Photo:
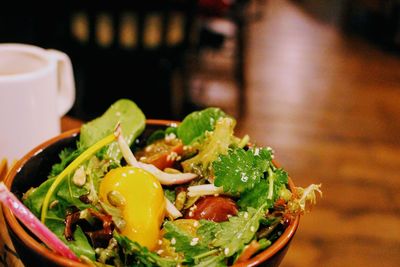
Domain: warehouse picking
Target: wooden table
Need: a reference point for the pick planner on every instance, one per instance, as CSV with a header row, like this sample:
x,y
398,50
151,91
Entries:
x,y
68,123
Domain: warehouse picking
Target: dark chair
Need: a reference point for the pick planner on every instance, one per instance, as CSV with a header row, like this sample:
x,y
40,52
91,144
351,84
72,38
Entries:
x,y
127,49
237,12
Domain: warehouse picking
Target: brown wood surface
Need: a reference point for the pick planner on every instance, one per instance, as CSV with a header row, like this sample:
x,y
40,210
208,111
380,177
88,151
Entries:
x,y
69,123
329,105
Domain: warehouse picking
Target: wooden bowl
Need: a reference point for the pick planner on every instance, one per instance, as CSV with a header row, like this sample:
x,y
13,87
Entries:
x,y
33,169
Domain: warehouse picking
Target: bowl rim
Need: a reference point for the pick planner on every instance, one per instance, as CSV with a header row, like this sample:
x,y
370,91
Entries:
x,y
29,241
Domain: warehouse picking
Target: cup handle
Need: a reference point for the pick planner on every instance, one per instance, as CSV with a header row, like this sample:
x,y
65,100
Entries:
x,y
66,82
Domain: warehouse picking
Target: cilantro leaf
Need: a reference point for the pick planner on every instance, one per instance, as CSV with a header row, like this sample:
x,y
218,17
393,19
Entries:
x,y
212,261
241,170
259,195
256,196
239,230
280,178
184,242
208,230
141,255
197,123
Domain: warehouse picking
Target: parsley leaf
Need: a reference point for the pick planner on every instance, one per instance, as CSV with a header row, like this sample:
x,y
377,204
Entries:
x,y
239,230
241,170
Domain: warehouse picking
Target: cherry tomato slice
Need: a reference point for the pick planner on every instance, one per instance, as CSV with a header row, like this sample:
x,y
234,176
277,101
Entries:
x,y
212,208
161,153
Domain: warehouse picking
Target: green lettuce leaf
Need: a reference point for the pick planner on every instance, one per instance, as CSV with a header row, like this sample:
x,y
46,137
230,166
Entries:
x,y
123,111
79,245
33,198
241,170
55,216
67,196
197,123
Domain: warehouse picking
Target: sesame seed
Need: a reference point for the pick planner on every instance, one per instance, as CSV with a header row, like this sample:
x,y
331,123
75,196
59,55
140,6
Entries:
x,y
190,213
196,223
226,251
53,204
159,241
194,241
148,148
159,252
244,177
173,241
170,137
172,156
253,229
246,215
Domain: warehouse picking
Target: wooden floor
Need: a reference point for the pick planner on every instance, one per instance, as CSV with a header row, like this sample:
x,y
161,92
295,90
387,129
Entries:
x,y
329,105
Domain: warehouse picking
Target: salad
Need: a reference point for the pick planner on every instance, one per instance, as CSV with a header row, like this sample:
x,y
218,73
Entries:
x,y
192,194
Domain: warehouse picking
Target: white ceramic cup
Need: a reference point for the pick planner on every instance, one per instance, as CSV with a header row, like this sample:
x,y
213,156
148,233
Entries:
x,y
36,88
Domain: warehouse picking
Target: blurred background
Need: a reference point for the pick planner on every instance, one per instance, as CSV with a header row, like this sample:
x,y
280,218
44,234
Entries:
x,y
318,81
